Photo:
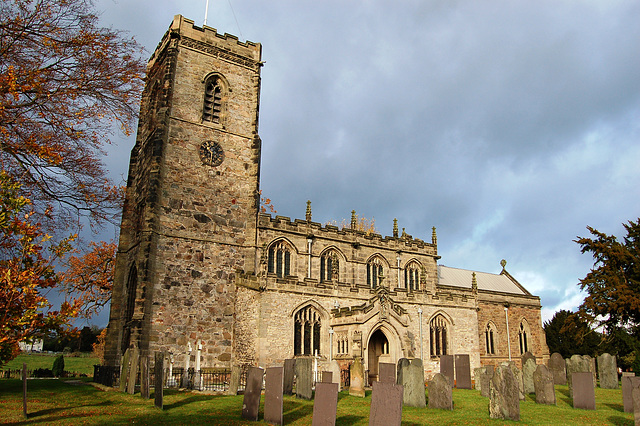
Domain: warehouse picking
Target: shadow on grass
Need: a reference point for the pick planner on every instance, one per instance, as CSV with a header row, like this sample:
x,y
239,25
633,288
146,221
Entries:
x,y
349,420
565,392
186,401
616,407
293,410
620,421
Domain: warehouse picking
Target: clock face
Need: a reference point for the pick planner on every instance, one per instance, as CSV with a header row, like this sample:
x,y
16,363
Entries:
x,y
211,153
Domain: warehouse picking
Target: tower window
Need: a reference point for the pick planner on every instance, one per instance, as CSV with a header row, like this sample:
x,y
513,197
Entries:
x,y
412,276
374,273
212,109
279,261
306,333
329,267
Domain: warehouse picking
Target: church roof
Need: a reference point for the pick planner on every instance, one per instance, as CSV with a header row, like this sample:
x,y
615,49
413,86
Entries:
x,y
503,283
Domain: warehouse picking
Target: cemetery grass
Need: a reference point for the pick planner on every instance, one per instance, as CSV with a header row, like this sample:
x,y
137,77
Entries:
x,y
73,364
58,402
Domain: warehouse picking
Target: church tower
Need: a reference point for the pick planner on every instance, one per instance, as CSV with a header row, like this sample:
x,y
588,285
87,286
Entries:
x,y
190,214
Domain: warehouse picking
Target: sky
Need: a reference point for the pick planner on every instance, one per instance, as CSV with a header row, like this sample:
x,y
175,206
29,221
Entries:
x,y
510,126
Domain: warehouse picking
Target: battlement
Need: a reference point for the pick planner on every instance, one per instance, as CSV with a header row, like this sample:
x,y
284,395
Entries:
x,y
200,37
348,235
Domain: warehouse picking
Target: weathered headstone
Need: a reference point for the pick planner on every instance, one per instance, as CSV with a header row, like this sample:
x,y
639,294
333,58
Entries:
x,y
356,387
579,364
124,370
144,377
334,367
584,395
413,384
608,371
628,384
289,373
133,371
327,377
543,385
446,367
402,363
635,395
504,402
304,378
440,393
158,380
234,380
252,393
387,372
273,395
528,368
517,374
463,371
476,376
527,355
558,369
325,404
485,383
386,404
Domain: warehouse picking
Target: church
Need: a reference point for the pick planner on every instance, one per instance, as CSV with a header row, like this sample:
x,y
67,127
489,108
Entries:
x,y
198,264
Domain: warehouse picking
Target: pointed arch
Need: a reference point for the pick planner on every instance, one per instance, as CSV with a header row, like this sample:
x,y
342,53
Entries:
x,y
524,335
440,334
216,89
491,338
412,271
308,322
330,260
376,265
280,258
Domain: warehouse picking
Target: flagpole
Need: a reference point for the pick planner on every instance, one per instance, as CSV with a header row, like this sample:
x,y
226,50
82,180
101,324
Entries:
x,y
206,12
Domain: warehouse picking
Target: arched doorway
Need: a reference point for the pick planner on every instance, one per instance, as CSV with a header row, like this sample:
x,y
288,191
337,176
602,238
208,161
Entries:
x,y
378,351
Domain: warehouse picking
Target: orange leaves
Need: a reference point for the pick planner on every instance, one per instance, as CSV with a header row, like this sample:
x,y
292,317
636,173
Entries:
x,y
266,205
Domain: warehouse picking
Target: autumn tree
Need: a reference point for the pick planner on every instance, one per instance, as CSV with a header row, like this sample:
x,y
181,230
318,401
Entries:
x,y
66,85
613,284
26,273
89,276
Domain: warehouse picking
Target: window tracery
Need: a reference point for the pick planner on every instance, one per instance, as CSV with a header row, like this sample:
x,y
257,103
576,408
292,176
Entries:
x,y
490,336
279,259
212,109
329,266
438,327
306,334
412,276
374,272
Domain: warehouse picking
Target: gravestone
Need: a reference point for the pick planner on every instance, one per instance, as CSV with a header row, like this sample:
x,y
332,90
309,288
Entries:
x,y
124,370
543,386
273,395
527,355
413,384
325,404
446,367
133,371
304,378
144,377
558,368
463,371
476,376
387,372
289,374
234,380
517,374
485,383
579,364
334,367
440,393
504,402
402,363
584,395
356,387
386,404
608,371
158,382
252,393
327,377
635,395
628,384
528,368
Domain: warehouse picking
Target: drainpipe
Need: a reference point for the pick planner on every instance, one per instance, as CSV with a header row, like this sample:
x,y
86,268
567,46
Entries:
x,y
420,320
330,344
506,315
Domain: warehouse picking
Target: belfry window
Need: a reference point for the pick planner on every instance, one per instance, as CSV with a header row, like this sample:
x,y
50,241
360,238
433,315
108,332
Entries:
x,y
412,276
279,261
212,109
438,328
374,273
329,267
523,338
306,333
489,338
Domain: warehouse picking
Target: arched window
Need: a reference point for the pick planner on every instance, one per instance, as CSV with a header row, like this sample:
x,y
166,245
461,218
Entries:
x,y
212,109
374,272
306,333
489,338
329,266
523,337
412,276
279,261
438,327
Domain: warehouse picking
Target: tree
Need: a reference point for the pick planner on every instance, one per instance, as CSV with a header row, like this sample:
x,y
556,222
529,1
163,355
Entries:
x,y
568,335
26,274
613,284
65,83
89,276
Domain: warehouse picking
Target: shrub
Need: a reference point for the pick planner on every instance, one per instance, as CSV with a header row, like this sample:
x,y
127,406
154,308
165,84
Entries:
x,y
58,366
42,372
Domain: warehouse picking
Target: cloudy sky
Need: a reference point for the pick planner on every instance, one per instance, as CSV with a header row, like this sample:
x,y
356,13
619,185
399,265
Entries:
x,y
508,125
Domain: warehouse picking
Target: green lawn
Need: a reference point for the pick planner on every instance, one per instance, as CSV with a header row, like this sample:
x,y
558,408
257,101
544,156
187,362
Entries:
x,y
56,402
71,364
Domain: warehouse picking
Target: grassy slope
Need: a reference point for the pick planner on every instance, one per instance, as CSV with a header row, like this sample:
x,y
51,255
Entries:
x,y
73,364
56,402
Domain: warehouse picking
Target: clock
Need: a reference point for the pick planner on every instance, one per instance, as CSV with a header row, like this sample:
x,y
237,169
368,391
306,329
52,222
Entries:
x,y
211,153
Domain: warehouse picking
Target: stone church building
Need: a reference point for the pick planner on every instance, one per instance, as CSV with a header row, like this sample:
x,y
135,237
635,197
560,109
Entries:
x,y
198,264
